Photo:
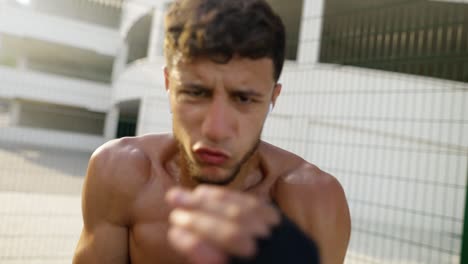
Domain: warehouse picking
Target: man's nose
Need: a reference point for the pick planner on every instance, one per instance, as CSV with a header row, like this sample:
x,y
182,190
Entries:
x,y
218,123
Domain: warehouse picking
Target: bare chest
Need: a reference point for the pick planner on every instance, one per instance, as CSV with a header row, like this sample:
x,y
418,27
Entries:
x,y
148,235
148,244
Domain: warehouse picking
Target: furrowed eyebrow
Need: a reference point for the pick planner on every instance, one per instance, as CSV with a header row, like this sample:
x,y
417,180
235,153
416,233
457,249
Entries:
x,y
196,86
246,92
235,91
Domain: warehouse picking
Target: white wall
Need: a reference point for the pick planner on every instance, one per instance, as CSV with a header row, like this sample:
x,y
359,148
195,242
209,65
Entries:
x,y
49,138
343,108
54,89
144,80
311,26
397,143
138,80
55,117
132,10
5,118
156,46
154,116
106,14
58,30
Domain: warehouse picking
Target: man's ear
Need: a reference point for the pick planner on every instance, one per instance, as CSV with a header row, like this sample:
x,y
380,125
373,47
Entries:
x,y
166,84
276,93
166,78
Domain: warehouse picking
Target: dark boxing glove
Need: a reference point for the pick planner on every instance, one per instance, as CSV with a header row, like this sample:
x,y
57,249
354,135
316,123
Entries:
x,y
286,244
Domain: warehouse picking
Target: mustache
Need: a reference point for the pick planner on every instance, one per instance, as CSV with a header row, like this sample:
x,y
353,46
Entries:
x,y
188,167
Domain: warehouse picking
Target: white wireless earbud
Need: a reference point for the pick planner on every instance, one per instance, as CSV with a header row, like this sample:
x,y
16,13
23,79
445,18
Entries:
x,y
270,108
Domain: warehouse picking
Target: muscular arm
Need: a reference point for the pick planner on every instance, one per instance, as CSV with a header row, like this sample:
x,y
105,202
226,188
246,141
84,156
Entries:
x,y
104,238
317,203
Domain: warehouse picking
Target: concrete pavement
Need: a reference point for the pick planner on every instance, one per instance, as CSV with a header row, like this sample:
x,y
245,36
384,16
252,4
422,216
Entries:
x,y
40,211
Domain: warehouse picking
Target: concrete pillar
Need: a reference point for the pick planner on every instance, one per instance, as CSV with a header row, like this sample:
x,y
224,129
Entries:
x,y
4,113
111,123
22,63
156,42
311,25
132,10
140,117
120,61
15,113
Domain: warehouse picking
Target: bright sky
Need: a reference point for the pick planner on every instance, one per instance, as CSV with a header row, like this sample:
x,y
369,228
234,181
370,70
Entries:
x,y
24,2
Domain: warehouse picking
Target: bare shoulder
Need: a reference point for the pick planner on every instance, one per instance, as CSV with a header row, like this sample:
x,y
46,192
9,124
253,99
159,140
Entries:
x,y
113,161
309,185
314,181
294,174
129,157
316,201
118,170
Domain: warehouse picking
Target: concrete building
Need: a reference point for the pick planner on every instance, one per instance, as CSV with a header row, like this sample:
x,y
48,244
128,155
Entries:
x,y
56,61
375,92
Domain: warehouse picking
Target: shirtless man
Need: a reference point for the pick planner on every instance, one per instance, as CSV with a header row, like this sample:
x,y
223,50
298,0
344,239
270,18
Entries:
x,y
210,190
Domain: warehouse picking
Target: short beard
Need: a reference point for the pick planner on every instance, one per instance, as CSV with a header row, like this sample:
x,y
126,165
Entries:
x,y
189,167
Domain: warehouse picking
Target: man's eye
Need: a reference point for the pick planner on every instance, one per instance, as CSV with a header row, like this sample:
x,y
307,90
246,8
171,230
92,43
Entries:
x,y
196,93
243,99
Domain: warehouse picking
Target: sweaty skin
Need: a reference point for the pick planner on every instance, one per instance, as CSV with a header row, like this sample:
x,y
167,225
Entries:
x,y
133,213
126,217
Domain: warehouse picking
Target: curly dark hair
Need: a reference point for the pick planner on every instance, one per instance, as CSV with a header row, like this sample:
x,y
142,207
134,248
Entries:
x,y
220,29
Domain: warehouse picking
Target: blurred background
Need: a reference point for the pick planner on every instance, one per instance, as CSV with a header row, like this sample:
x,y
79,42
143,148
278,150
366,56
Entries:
x,y
375,92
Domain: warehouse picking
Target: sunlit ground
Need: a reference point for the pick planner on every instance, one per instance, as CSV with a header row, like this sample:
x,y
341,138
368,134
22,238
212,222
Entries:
x,y
38,228
40,214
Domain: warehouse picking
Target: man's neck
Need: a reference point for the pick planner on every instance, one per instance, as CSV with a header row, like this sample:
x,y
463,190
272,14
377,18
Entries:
x,y
249,175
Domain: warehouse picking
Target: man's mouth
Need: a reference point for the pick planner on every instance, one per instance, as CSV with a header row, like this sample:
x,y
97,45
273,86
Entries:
x,y
210,156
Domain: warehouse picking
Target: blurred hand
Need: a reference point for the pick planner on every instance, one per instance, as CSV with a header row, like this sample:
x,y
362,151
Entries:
x,y
209,224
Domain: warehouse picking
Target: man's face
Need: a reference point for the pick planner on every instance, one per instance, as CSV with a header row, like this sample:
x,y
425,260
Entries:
x,y
218,113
